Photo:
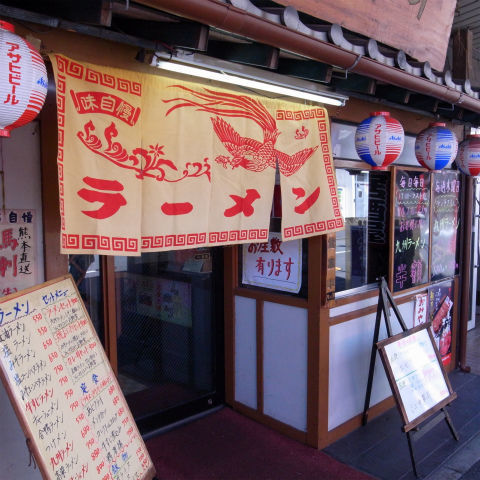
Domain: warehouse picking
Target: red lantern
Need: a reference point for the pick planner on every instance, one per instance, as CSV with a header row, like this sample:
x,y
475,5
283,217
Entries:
x,y
23,80
468,158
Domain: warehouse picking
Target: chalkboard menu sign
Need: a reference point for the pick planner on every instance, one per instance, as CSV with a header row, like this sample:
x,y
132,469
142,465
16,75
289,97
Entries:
x,y
63,389
445,217
412,226
418,380
378,207
378,224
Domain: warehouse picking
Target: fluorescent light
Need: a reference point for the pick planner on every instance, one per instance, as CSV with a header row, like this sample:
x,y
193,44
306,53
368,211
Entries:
x,y
222,76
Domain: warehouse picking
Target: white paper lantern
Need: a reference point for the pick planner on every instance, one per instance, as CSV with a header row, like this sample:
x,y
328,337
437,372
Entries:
x,y
468,158
379,140
436,147
23,80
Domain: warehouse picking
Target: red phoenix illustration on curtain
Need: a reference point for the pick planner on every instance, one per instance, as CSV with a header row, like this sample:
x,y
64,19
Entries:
x,y
244,152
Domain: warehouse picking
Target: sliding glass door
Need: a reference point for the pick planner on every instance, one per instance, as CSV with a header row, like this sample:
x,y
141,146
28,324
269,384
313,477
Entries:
x,y
164,329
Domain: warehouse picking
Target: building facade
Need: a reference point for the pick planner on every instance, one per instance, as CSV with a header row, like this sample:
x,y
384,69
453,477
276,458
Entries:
x,y
189,329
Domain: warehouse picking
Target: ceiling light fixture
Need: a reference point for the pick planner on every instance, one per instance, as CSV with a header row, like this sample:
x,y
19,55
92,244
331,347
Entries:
x,y
248,81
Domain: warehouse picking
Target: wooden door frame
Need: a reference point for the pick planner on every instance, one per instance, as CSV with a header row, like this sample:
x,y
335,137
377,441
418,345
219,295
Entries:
x,y
56,263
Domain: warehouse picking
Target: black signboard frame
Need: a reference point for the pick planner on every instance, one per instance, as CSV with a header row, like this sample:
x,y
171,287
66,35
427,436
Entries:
x,y
411,228
427,346
445,222
378,224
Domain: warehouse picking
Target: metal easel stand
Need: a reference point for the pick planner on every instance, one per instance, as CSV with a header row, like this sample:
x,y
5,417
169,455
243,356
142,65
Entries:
x,y
385,301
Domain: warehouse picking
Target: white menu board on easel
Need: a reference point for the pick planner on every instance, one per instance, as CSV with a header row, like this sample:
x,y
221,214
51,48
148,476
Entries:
x,y
417,377
62,387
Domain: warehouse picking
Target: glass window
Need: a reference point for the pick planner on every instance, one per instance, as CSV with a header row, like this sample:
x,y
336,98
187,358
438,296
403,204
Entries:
x,y
85,270
362,248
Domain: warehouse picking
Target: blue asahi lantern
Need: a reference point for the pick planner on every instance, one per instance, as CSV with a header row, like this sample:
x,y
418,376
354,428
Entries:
x,y
436,147
379,140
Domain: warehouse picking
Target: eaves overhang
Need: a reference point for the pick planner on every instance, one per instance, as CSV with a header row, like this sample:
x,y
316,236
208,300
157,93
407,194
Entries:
x,y
284,29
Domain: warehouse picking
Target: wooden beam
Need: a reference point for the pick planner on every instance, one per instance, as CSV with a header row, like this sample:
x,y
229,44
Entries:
x,y
94,12
355,83
471,117
462,67
305,69
256,54
393,94
189,35
423,102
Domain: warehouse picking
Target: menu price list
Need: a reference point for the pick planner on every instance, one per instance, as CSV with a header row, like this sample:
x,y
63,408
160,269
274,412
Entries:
x,y
417,373
65,391
445,223
411,235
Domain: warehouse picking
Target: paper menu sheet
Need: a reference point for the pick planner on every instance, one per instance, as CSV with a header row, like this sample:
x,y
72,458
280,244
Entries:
x,y
63,388
417,373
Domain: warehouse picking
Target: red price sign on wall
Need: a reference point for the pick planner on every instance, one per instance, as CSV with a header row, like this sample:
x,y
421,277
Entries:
x,y
274,264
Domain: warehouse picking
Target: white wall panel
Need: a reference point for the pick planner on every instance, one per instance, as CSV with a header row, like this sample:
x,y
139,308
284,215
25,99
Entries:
x,y
245,351
285,339
21,164
20,156
349,361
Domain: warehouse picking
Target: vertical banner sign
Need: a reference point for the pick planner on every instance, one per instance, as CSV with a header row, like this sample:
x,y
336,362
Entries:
x,y
445,221
151,163
412,229
420,309
17,250
440,307
65,394
273,264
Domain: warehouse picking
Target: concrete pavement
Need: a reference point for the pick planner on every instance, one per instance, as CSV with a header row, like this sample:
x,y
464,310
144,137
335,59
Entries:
x,y
461,465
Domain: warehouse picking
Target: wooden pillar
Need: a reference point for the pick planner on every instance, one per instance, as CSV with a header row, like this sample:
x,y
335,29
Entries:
x,y
230,256
56,264
314,374
466,270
